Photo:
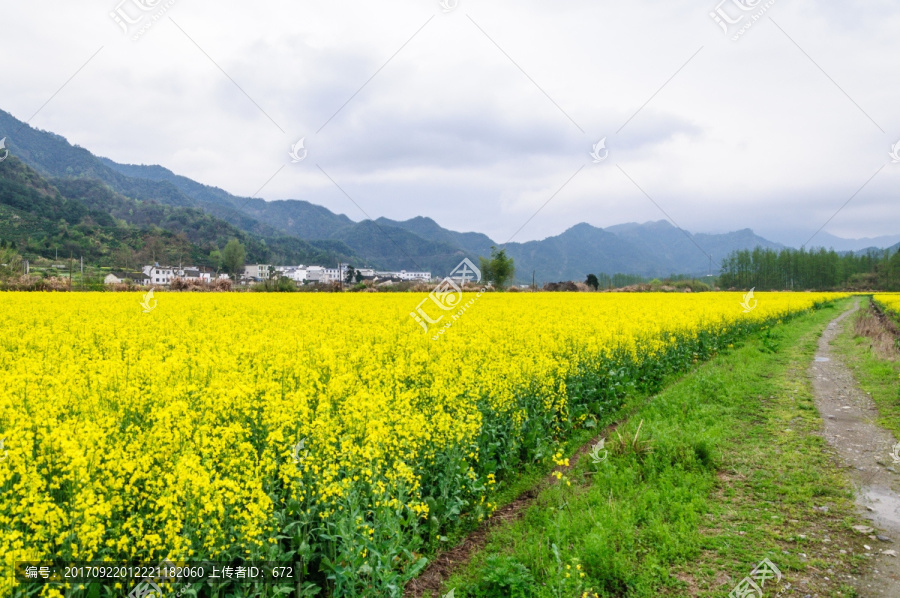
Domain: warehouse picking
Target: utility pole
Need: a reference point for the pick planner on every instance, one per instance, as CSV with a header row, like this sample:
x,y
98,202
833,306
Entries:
x,y
70,270
533,287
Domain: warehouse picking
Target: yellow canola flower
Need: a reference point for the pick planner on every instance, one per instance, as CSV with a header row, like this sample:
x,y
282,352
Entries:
x,y
890,302
131,435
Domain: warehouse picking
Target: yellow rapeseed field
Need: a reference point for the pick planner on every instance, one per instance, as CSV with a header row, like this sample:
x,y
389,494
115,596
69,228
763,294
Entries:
x,y
890,301
325,427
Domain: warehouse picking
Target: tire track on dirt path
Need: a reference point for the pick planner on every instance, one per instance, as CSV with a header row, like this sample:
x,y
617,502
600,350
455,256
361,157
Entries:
x,y
865,449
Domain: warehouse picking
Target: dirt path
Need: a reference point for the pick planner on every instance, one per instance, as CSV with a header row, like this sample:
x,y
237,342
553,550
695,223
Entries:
x,y
866,449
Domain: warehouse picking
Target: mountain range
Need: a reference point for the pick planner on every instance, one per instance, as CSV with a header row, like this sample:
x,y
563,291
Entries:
x,y
58,197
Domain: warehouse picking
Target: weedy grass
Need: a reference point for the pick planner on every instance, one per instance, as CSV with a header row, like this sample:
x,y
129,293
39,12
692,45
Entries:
x,y
722,469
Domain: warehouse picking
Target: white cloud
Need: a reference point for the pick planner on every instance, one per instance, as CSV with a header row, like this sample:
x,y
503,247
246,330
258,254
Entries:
x,y
748,134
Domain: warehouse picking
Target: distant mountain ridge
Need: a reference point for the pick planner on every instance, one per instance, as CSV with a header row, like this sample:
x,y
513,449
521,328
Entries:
x,y
827,240
300,228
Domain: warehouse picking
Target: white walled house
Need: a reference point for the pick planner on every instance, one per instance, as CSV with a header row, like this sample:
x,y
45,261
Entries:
x,y
421,276
159,274
260,271
336,274
163,275
315,273
295,273
299,274
120,277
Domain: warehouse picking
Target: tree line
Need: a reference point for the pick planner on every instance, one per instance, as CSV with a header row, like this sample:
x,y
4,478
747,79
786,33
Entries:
x,y
817,270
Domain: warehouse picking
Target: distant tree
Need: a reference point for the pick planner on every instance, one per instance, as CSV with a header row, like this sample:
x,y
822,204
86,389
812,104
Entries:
x,y
359,276
815,269
10,262
592,281
155,249
348,278
499,269
215,259
123,257
233,257
285,285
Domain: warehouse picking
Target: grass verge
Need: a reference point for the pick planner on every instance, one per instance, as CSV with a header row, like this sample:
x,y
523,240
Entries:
x,y
870,351
722,469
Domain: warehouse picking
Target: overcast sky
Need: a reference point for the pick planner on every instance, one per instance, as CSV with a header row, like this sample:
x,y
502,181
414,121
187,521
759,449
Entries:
x,y
479,115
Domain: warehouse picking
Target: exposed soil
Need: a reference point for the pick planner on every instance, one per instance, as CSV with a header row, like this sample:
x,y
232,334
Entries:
x,y
444,564
886,321
866,450
882,332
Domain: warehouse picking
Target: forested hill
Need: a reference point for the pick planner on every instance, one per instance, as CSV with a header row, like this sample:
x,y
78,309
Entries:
x,y
51,217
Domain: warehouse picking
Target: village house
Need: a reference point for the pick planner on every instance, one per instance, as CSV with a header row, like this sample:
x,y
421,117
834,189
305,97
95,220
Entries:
x,y
159,274
256,272
164,275
138,278
420,276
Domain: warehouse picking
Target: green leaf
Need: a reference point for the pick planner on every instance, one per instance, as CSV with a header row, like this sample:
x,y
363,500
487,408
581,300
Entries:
x,y
420,564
